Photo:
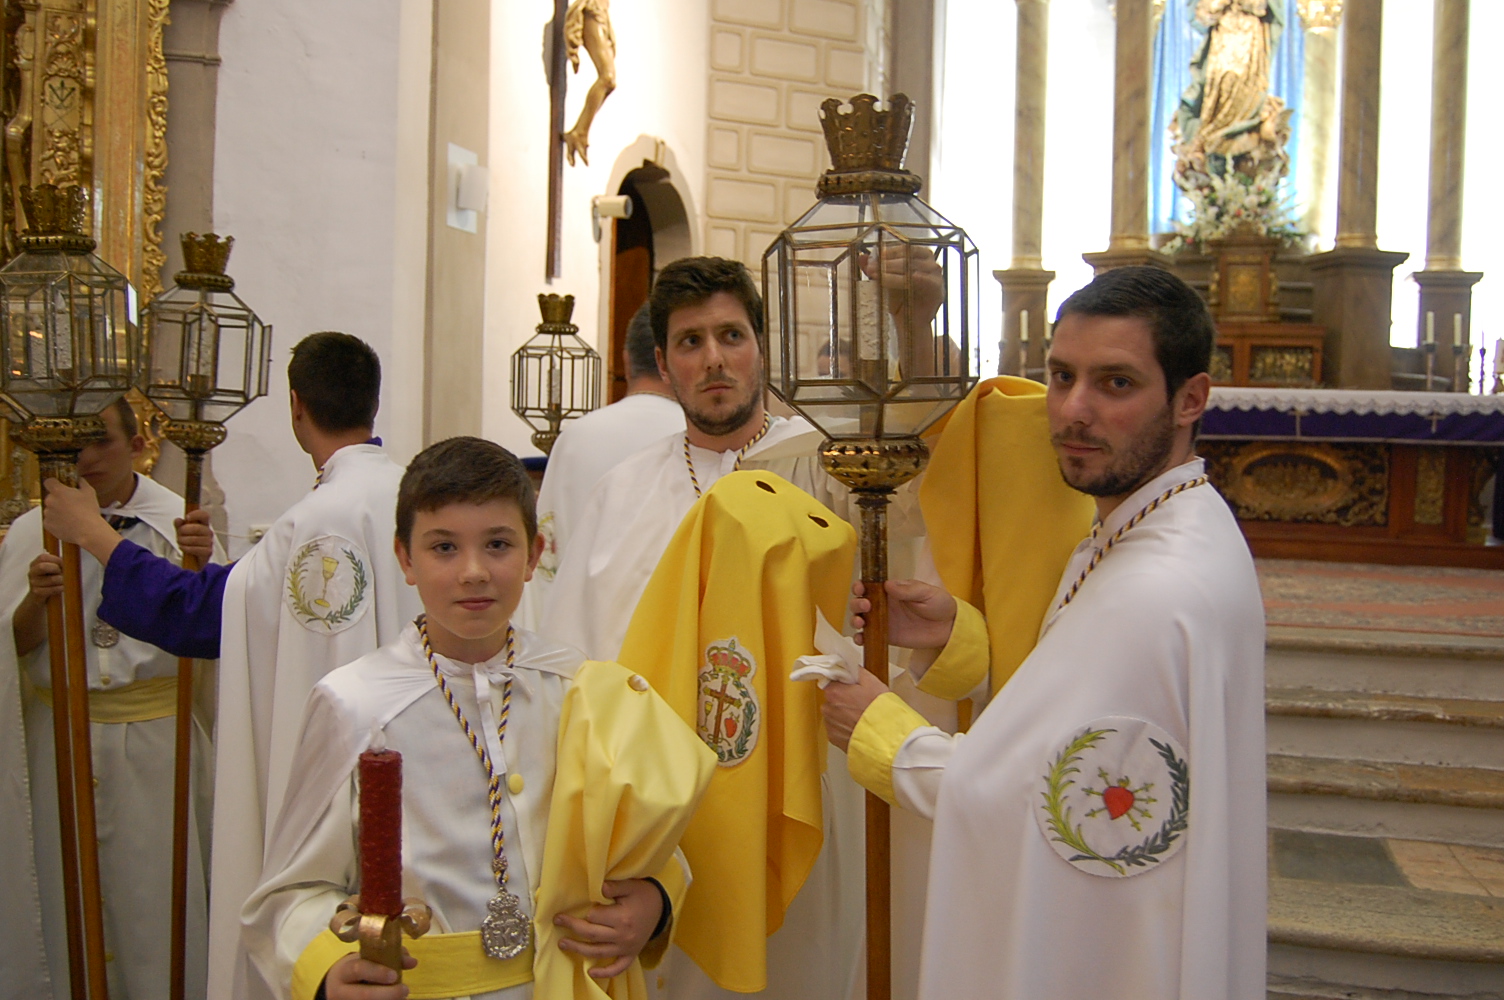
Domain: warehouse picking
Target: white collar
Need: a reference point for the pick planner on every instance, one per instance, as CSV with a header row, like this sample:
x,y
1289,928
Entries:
x,y
1139,498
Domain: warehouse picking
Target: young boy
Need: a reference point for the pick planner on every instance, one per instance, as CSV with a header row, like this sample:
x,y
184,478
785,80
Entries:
x,y
554,739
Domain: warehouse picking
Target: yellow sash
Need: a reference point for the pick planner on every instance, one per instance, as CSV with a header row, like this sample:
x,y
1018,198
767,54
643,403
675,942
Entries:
x,y
449,965
155,698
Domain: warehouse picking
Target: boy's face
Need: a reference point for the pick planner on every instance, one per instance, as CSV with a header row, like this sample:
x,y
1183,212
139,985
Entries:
x,y
469,562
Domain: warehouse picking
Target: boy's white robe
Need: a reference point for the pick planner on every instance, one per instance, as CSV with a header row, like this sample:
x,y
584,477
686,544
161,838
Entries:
x,y
446,819
1169,629
134,769
269,661
623,530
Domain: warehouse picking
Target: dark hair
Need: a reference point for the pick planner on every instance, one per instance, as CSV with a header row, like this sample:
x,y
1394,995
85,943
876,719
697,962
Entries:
x,y
127,414
1178,319
639,347
463,470
691,280
338,379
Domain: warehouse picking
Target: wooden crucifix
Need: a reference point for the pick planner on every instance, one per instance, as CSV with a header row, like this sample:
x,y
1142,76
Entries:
x,y
554,263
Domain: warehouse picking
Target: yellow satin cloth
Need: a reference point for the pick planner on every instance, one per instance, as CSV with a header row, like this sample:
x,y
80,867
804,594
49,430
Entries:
x,y
449,965
751,562
1001,522
627,779
143,701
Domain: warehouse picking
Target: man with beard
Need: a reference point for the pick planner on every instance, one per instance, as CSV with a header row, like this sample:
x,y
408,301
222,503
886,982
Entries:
x,y
1067,804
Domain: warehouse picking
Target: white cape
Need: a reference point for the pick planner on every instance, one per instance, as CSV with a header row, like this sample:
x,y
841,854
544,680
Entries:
x,y
1166,634
27,764
277,641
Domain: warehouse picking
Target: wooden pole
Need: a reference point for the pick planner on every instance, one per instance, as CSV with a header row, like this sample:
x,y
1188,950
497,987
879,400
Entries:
x,y
62,749
77,696
183,763
874,507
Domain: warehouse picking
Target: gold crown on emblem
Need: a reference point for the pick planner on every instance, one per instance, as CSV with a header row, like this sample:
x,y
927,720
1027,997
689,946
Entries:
x,y
206,254
556,310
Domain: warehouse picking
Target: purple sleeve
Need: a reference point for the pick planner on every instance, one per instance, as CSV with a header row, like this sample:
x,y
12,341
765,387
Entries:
x,y
150,599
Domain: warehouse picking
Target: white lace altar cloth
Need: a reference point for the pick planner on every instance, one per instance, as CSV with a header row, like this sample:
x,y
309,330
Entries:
x,y
1361,401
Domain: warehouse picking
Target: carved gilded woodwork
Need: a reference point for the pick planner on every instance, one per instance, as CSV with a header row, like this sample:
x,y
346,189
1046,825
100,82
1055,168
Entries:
x,y
1430,486
1282,366
1302,482
1479,514
1320,15
84,101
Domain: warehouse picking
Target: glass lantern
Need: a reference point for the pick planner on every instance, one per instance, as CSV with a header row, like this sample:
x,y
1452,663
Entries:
x,y
208,353
68,338
556,376
872,294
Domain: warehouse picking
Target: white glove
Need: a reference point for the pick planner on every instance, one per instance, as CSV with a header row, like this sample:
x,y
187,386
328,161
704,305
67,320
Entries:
x,y
841,659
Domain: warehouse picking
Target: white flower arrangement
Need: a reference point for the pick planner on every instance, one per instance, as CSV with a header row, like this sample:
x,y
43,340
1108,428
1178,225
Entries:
x,y
1233,203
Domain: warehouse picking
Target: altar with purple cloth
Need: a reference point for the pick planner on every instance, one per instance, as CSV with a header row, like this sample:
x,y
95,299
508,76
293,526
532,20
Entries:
x,y
1358,475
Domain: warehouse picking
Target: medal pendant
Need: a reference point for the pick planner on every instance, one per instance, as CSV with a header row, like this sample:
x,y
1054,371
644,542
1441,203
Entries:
x,y
506,932
103,635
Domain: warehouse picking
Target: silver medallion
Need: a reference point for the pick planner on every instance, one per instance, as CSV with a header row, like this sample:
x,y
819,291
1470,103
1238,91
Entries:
x,y
103,635
506,932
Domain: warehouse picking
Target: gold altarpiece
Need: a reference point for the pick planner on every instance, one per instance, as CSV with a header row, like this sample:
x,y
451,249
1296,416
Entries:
x,y
85,102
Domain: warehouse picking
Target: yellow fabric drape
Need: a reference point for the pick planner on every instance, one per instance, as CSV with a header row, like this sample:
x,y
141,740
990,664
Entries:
x,y
449,965
143,701
628,778
728,610
1001,522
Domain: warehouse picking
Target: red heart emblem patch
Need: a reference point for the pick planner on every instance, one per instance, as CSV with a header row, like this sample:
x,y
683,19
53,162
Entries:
x,y
1117,799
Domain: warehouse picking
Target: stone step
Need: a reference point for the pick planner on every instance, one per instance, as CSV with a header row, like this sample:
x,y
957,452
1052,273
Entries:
x,y
1380,707
1372,919
1385,728
1423,784
1421,666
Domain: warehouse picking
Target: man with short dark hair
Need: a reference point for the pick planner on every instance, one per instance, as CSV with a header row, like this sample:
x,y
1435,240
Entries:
x,y
320,589
1069,802
596,443
132,729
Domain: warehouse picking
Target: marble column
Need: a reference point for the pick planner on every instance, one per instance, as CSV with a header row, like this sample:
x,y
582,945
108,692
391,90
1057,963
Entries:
x,y
1446,290
1322,19
1132,93
1353,284
1026,283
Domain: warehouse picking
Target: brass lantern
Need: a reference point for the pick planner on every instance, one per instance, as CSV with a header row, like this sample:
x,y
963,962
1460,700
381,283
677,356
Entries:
x,y
556,376
208,353
68,339
871,296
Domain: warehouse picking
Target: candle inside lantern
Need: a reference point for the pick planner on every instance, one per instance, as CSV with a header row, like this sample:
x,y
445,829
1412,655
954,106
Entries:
x,y
1499,356
1430,328
555,385
381,831
1456,329
1023,326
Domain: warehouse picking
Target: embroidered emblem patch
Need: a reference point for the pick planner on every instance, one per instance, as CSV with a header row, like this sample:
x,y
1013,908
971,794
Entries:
x,y
328,584
1115,799
728,716
548,562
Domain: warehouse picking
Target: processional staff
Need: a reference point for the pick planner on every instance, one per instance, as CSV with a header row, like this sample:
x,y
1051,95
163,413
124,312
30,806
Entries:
x,y
69,348
209,356
877,276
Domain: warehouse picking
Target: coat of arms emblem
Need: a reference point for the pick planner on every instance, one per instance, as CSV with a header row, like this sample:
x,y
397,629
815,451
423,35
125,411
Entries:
x,y
728,716
328,584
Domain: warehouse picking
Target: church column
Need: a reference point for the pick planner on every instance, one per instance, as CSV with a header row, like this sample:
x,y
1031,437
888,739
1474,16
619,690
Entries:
x,y
1446,290
1321,18
1025,282
1353,283
1132,94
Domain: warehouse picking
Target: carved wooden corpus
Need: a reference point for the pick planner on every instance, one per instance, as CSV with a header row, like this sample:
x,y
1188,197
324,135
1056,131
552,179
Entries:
x,y
85,88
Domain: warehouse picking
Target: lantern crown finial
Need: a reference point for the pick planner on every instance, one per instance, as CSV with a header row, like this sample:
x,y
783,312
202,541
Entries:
x,y
556,310
867,146
204,260
56,218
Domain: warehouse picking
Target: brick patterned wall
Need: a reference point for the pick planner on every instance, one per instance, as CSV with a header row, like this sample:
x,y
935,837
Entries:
x,y
771,64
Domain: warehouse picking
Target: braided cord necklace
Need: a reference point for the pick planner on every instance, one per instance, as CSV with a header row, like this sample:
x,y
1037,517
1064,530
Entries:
x,y
741,453
1117,536
506,932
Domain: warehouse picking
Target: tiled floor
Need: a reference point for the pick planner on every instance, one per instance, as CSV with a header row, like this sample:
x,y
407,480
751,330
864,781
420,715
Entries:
x,y
1476,871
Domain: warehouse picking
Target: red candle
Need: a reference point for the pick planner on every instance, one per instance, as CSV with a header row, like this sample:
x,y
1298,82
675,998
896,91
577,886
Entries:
x,y
381,832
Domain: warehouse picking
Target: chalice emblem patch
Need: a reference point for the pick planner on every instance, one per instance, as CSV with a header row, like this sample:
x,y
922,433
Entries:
x,y
328,584
728,717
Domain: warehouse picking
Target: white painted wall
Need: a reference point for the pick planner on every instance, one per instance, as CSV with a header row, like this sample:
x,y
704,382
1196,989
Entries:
x,y
306,179
661,65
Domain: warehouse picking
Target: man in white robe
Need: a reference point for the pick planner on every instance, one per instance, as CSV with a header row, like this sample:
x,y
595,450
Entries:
x,y
596,443
320,589
1100,831
132,731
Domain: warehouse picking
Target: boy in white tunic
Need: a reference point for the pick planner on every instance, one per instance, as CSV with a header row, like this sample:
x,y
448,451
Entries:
x,y
132,709
1100,831
488,719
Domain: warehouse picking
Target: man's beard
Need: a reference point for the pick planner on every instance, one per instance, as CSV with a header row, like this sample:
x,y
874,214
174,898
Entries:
x,y
713,426
1143,460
